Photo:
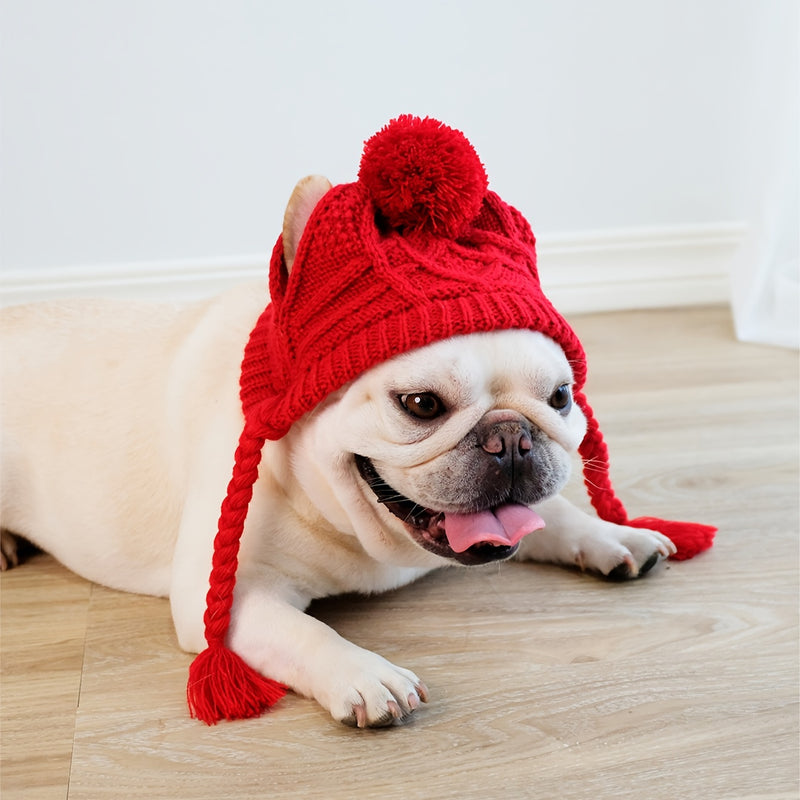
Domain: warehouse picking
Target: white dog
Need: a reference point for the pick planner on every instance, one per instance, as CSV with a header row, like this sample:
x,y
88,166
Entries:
x,y
118,426
118,420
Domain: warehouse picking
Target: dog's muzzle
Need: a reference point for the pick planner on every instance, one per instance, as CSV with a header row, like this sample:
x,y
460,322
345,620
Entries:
x,y
475,537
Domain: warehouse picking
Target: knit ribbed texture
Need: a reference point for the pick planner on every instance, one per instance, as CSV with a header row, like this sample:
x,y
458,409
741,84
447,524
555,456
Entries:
x,y
416,251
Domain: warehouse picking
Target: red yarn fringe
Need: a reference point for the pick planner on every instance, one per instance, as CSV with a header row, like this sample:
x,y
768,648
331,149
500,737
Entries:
x,y
222,686
690,538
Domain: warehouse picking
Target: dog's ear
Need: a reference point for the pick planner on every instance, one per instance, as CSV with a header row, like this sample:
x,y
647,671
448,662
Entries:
x,y
306,195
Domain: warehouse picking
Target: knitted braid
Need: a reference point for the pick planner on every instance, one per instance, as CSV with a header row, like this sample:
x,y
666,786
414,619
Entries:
x,y
221,685
226,543
594,453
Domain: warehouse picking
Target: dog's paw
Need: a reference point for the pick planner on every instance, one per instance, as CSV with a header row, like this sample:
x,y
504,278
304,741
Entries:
x,y
370,692
9,550
621,553
14,550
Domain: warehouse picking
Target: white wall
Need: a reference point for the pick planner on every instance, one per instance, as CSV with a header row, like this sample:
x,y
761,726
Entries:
x,y
153,131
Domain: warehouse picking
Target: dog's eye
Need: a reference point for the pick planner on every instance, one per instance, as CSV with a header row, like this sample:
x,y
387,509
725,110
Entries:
x,y
423,405
561,399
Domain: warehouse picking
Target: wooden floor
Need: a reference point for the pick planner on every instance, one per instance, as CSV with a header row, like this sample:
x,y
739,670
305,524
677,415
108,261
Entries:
x,y
544,683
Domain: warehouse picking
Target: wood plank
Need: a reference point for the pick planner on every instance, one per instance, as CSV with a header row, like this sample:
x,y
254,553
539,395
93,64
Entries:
x,y
43,611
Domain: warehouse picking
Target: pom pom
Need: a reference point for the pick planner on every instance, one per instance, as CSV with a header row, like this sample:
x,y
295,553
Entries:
x,y
222,686
690,538
423,176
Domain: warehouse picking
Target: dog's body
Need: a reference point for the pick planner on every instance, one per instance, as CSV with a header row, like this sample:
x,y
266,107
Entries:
x,y
118,423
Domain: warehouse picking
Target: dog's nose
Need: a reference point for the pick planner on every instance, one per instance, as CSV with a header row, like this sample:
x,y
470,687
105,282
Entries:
x,y
508,440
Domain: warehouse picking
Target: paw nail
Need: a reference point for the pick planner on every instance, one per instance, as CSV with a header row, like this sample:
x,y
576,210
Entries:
x,y
648,565
413,701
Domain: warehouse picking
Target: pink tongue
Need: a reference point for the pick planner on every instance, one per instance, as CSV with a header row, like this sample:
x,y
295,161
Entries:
x,y
506,525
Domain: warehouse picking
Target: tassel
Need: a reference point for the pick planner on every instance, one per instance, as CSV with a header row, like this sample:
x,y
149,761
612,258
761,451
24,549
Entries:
x,y
690,538
222,686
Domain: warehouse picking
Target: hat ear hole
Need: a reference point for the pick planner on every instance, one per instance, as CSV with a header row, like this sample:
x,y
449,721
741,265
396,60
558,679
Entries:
x,y
307,193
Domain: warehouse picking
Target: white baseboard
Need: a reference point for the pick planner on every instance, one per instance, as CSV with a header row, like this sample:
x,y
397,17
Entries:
x,y
580,272
639,267
190,279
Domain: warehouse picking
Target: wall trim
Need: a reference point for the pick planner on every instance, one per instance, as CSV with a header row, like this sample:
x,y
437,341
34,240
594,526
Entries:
x,y
640,267
581,272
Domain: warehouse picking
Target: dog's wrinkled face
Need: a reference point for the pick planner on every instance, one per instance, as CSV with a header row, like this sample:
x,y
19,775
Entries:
x,y
448,445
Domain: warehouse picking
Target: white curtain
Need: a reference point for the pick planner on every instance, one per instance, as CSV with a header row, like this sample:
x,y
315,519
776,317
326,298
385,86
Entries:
x,y
766,275
765,290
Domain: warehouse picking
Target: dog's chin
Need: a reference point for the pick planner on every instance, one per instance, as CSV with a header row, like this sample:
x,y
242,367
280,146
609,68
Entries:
x,y
426,525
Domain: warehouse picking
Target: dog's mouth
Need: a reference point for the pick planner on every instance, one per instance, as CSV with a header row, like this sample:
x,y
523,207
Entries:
x,y
477,537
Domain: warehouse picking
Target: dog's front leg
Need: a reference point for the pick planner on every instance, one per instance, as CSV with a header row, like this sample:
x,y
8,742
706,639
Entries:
x,y
575,538
356,686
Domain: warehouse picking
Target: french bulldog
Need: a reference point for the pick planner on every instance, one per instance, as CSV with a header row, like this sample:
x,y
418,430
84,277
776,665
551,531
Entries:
x,y
118,420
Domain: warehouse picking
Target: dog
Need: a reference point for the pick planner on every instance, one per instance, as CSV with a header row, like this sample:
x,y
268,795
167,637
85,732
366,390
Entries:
x,y
117,423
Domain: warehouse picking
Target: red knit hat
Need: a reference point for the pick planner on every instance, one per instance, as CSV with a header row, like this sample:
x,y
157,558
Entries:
x,y
416,250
